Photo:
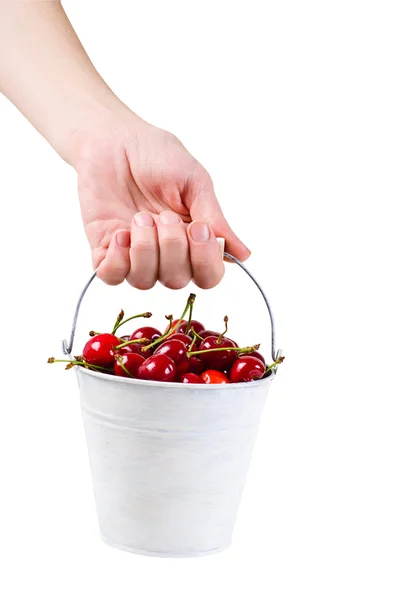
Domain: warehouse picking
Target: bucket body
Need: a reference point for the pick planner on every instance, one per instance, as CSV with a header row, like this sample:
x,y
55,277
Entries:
x,y
168,461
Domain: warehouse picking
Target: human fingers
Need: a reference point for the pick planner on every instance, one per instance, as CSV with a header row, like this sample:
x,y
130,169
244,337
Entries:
x,y
144,252
206,256
116,264
174,264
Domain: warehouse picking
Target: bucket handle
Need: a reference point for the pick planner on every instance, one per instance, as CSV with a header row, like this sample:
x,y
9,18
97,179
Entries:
x,y
67,347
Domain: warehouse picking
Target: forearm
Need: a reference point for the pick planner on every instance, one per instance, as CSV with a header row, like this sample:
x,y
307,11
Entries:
x,y
46,73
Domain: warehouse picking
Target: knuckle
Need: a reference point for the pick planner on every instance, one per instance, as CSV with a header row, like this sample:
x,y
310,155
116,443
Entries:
x,y
142,246
173,236
170,138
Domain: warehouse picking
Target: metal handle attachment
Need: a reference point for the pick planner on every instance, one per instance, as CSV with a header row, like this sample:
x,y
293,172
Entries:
x,y
68,346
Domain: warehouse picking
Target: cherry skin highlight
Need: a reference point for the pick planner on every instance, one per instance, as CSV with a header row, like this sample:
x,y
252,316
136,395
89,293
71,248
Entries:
x,y
131,362
213,376
190,378
247,368
100,350
158,368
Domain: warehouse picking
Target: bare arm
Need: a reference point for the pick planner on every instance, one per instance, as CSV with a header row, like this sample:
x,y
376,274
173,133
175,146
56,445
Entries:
x,y
46,73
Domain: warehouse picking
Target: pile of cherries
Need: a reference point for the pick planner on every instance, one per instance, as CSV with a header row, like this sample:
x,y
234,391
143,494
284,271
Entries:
x,y
186,352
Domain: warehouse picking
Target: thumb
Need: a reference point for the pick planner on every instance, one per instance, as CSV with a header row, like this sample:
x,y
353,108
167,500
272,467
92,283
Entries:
x,y
233,244
205,207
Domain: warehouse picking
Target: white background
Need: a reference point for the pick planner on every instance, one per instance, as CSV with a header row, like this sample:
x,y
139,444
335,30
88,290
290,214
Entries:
x,y
290,106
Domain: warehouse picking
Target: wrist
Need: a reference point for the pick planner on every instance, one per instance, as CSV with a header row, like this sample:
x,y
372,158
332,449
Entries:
x,y
90,122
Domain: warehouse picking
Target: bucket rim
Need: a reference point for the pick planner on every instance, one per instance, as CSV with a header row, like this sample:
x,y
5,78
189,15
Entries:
x,y
173,384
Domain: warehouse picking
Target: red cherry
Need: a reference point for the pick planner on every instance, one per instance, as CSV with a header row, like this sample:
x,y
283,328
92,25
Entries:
x,y
150,333
247,368
175,349
256,355
233,342
190,378
195,325
213,376
196,365
184,338
99,350
222,359
159,367
191,365
130,361
183,366
208,332
133,349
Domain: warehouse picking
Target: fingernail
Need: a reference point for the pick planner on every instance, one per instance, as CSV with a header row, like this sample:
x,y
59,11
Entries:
x,y
143,219
199,232
169,218
123,239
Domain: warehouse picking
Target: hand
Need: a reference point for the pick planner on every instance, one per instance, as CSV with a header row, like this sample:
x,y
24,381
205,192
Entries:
x,y
149,208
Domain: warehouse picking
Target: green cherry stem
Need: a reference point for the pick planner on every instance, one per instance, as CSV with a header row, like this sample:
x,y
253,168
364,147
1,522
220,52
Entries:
x,y
73,363
129,342
192,343
118,321
189,318
239,350
196,334
191,300
145,315
93,333
276,362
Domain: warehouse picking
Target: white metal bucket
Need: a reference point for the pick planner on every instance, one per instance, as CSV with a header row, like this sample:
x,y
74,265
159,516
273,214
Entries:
x,y
169,461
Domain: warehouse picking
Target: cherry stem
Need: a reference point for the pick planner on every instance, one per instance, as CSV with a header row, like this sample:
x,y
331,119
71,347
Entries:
x,y
244,350
118,321
196,334
93,333
129,342
189,318
83,363
119,361
146,315
219,340
276,362
192,343
174,328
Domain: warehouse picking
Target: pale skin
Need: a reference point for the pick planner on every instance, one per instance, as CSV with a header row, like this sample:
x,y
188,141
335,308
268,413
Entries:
x,y
149,208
